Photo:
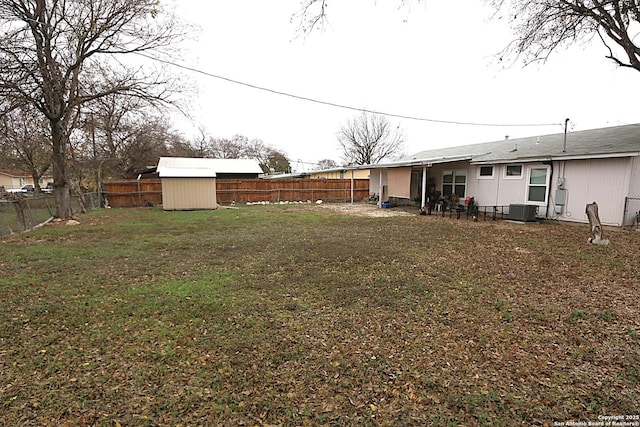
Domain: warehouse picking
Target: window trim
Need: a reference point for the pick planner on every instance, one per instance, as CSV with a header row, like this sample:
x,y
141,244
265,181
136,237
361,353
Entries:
x,y
546,185
493,172
453,182
521,176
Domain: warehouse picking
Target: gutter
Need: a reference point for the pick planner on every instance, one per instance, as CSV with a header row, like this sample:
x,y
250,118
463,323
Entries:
x,y
558,158
424,162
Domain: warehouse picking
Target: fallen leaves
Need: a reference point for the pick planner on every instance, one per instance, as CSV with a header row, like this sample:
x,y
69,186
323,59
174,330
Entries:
x,y
343,320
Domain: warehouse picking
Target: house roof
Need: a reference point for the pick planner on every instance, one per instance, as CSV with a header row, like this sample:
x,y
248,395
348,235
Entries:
x,y
14,172
318,171
605,142
184,167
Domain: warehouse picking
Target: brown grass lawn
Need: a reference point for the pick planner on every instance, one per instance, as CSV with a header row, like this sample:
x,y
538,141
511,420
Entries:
x,y
305,316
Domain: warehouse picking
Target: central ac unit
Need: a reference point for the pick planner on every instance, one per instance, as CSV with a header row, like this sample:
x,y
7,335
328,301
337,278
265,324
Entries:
x,y
523,213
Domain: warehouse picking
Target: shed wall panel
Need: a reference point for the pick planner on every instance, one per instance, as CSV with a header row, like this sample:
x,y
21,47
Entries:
x,y
189,193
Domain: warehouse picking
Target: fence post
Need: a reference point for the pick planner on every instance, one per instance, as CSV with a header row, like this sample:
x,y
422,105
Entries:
x,y
624,214
33,221
18,204
46,202
352,183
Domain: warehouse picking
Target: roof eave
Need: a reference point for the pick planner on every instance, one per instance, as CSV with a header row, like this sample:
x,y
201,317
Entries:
x,y
560,157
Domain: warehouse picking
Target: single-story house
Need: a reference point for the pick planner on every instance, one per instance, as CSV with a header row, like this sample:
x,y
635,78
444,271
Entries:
x,y
558,174
345,172
190,183
236,168
340,173
16,178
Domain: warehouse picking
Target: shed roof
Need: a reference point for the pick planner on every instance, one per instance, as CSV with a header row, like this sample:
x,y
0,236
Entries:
x,y
168,172
184,167
604,142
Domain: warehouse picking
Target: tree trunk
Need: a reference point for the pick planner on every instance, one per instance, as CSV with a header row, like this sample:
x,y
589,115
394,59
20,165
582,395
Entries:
x,y
597,233
59,162
36,183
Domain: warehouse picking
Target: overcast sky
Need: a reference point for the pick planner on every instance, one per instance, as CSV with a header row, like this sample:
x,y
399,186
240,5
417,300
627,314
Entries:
x,y
431,61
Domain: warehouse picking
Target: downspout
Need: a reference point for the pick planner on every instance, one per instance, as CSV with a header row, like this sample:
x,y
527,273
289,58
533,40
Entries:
x,y
546,212
424,187
550,163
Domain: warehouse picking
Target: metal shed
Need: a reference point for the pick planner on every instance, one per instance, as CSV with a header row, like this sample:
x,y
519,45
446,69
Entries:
x,y
187,184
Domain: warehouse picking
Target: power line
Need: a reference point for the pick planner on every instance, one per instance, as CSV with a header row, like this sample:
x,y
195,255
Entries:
x,y
347,107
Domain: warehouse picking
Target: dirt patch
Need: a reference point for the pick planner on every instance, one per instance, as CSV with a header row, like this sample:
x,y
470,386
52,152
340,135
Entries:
x,y
365,209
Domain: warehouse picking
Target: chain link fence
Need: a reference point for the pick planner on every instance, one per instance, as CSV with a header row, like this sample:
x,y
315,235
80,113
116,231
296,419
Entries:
x,y
26,213
631,213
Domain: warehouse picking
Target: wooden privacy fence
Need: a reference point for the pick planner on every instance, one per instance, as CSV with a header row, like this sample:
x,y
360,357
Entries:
x,y
149,191
124,194
295,189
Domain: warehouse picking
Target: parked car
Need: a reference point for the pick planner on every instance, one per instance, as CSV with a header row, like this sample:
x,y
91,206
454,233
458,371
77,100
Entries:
x,y
24,190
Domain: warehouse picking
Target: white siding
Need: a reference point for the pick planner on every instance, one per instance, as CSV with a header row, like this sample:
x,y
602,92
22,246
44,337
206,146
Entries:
x,y
483,190
604,181
634,187
500,190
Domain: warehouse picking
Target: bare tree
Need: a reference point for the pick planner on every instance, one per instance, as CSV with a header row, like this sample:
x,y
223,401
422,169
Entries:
x,y
150,140
234,148
327,164
58,55
369,138
543,26
201,144
100,152
24,143
110,123
313,14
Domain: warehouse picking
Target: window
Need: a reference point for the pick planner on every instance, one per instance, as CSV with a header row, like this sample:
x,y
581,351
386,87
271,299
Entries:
x,y
537,190
454,182
513,171
485,172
